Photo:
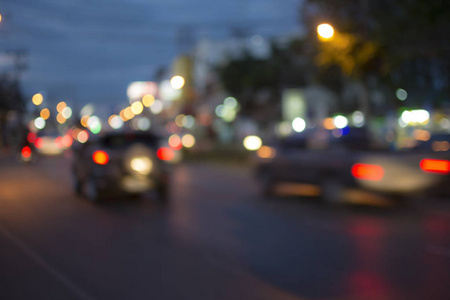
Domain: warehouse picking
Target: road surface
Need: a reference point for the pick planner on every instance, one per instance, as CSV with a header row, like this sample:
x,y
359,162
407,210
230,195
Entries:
x,y
218,238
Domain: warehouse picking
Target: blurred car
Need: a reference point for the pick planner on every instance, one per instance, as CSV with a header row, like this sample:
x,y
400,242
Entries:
x,y
341,163
122,163
51,143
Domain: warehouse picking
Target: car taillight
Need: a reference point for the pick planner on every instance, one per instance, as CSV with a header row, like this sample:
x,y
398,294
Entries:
x,y
368,172
165,153
59,142
38,143
26,152
435,166
31,137
100,157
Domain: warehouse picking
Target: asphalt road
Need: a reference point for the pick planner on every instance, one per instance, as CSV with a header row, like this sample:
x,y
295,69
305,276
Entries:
x,y
218,238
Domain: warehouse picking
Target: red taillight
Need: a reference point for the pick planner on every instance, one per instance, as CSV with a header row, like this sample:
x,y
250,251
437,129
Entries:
x,y
165,153
38,143
368,172
26,152
67,141
100,157
31,137
435,166
59,142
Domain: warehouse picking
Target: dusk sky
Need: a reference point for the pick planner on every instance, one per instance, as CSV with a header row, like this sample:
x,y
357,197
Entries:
x,y
89,51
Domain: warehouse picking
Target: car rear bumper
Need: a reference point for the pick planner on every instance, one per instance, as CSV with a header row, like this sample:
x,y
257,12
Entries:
x,y
129,184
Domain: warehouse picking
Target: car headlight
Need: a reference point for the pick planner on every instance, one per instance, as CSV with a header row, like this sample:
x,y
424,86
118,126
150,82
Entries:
x,y
142,165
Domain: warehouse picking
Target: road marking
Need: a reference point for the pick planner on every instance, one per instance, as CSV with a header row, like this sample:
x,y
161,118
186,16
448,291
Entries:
x,y
439,250
34,256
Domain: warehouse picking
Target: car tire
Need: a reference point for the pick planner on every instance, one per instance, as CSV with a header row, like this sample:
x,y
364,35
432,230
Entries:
x,y
92,190
332,191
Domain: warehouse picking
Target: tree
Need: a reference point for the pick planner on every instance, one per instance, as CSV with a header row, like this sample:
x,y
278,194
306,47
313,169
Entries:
x,y
402,43
10,100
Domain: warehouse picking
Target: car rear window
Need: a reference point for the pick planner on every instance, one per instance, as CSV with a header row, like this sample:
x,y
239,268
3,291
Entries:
x,y
122,141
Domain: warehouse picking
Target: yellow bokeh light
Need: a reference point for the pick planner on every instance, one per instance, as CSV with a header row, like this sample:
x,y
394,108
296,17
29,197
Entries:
x,y
61,105
188,140
148,100
45,113
137,108
177,82
325,31
60,119
179,120
129,114
252,143
122,115
266,152
328,123
37,99
84,121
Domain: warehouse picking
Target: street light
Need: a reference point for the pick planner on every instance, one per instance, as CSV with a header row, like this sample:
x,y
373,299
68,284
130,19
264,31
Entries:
x,y
37,99
177,82
325,31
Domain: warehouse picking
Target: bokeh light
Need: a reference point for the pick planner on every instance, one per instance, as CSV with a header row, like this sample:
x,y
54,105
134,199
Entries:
x,y
157,107
66,112
328,124
230,102
137,108
84,120
37,99
188,122
61,105
358,119
142,124
60,119
115,122
340,122
148,100
188,140
299,124
401,94
179,120
122,115
177,82
45,113
67,141
252,142
266,152
284,128
83,136
87,110
128,113
325,31
175,142
39,123
94,124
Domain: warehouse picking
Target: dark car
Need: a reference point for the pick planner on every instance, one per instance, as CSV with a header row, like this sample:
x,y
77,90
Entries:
x,y
341,165
122,163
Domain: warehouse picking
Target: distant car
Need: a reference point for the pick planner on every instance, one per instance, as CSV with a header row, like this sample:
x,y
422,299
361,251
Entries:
x,y
339,164
122,163
51,143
